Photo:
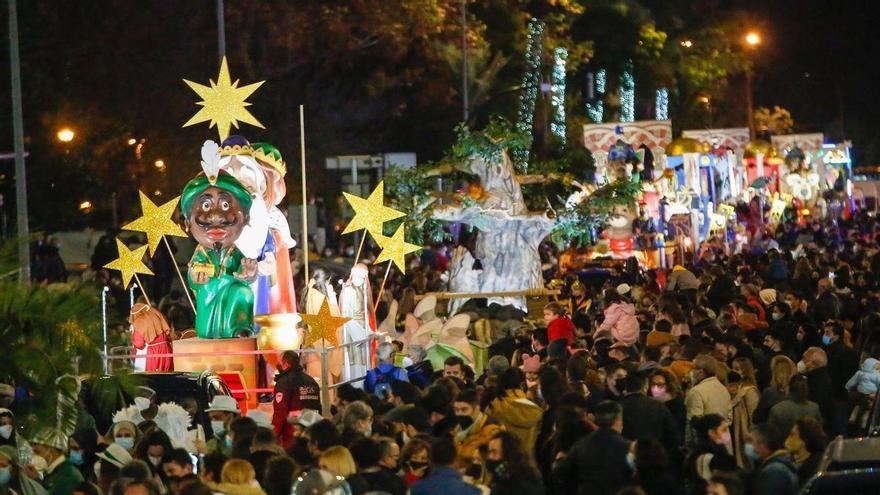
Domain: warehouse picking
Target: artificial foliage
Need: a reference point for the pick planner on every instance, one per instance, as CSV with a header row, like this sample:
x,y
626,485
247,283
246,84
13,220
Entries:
x,y
531,81
413,190
579,224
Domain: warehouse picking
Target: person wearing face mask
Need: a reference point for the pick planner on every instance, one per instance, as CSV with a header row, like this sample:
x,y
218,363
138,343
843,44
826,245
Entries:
x,y
82,449
372,458
415,458
512,409
666,389
125,434
511,467
154,446
222,410
814,365
12,478
644,417
712,451
775,473
168,416
61,476
476,429
648,460
843,362
9,435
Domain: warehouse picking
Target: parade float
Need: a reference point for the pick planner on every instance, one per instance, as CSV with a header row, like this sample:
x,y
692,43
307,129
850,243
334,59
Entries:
x,y
239,281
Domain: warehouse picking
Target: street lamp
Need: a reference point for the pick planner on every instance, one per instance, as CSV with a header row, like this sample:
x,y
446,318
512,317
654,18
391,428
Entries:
x,y
686,43
160,164
66,135
752,39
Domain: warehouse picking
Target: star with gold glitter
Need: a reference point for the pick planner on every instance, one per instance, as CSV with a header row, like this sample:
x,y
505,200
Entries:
x,y
223,103
370,213
129,262
395,248
323,325
156,222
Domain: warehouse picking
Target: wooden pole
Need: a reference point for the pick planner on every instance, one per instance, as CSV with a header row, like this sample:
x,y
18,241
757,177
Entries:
x,y
143,291
357,256
180,275
382,287
305,216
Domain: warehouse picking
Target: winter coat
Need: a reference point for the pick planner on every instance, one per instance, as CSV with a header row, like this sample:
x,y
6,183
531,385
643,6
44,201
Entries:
x,y
477,435
596,463
682,280
785,414
561,328
62,479
518,415
867,379
443,481
236,489
644,417
620,319
743,405
709,396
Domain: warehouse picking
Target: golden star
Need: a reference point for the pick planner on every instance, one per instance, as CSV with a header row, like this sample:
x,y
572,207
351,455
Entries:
x,y
156,222
223,104
370,213
129,262
323,325
395,248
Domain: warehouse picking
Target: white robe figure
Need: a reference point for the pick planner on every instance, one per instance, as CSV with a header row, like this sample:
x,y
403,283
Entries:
x,y
170,418
355,302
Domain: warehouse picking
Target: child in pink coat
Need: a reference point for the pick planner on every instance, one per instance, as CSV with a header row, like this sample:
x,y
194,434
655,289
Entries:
x,y
620,319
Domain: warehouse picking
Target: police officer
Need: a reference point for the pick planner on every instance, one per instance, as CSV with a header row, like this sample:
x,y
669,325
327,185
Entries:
x,y
295,390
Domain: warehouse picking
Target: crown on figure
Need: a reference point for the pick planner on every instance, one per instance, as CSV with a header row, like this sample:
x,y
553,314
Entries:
x,y
236,145
269,154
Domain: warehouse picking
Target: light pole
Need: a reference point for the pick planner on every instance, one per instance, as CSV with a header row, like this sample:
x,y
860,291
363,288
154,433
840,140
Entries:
x,y
752,40
24,257
221,30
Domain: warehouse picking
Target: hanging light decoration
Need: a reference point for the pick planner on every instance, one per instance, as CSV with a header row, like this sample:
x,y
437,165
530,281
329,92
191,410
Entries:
x,y
531,84
627,95
596,109
557,93
661,104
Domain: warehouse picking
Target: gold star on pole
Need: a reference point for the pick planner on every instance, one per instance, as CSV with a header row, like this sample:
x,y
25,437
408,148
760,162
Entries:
x,y
370,213
395,248
323,325
129,262
223,103
156,222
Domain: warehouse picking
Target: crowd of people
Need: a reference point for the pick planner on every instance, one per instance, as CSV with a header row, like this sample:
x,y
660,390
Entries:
x,y
724,375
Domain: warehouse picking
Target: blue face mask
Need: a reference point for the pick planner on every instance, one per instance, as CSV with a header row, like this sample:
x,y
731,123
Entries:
x,y
631,460
826,340
228,441
76,457
750,452
126,443
5,476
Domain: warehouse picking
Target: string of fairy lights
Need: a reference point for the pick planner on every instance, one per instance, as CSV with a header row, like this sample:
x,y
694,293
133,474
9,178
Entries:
x,y
531,84
661,104
596,109
627,95
557,93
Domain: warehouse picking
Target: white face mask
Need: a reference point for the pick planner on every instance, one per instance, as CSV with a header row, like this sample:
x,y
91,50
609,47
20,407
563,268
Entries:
x,y
155,460
217,427
142,403
6,431
801,367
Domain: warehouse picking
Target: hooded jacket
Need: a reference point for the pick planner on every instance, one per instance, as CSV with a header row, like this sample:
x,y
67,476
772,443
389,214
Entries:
x,y
867,379
518,415
620,319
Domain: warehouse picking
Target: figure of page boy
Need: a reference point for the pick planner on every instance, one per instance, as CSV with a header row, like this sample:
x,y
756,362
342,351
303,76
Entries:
x,y
214,206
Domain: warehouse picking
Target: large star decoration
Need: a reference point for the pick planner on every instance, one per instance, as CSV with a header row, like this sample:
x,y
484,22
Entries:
x,y
323,325
156,222
223,103
370,213
395,248
129,262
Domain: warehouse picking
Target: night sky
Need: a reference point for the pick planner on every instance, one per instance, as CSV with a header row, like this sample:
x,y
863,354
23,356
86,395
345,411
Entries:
x,y
819,60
